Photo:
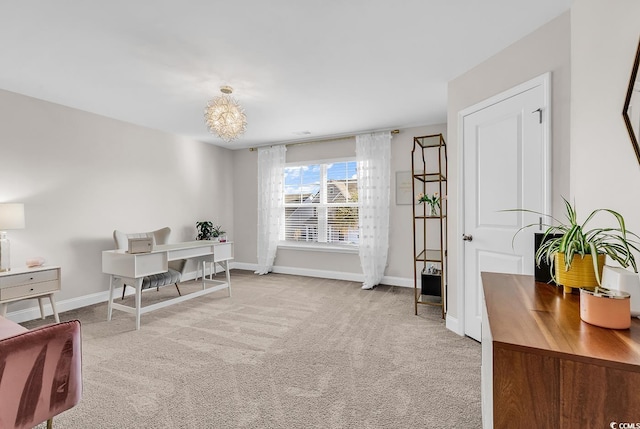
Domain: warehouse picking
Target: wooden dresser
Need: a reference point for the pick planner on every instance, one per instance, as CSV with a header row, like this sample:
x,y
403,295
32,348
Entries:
x,y
543,367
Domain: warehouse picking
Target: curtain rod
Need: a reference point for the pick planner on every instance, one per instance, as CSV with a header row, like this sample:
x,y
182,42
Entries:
x,y
328,139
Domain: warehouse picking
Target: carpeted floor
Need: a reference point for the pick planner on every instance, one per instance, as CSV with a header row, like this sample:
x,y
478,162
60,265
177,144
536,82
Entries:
x,y
283,352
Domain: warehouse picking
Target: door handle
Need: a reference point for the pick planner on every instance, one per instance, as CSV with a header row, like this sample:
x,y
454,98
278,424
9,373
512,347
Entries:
x,y
466,237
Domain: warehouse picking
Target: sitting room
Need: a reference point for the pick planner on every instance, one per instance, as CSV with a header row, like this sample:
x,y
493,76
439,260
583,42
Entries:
x,y
212,214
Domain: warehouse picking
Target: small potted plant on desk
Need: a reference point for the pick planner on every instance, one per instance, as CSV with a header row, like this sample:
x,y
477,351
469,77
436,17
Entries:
x,y
208,231
581,251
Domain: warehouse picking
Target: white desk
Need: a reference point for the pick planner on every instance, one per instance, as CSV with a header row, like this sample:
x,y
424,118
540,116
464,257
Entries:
x,y
133,267
24,283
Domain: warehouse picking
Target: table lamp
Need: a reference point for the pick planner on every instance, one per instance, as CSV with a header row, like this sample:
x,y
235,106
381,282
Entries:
x,y
11,217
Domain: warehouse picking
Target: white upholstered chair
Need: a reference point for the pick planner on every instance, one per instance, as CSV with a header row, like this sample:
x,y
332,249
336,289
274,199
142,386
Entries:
x,y
160,236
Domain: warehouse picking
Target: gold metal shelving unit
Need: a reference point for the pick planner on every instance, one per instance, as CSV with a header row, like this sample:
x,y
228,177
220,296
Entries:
x,y
429,175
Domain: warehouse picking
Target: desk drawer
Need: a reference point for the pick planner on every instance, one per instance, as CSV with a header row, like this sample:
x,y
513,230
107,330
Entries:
x,y
28,278
24,291
223,252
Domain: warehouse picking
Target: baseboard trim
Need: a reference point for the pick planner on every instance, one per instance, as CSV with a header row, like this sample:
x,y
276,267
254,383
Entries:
x,y
452,324
397,281
32,313
244,266
327,274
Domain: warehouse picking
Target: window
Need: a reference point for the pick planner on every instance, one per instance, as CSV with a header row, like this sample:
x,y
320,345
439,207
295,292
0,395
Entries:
x,y
321,203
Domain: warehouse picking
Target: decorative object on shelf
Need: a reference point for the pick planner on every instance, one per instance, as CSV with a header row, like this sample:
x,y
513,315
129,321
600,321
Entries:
x,y
208,231
225,117
576,240
139,244
433,201
431,281
429,186
11,217
35,262
631,109
605,308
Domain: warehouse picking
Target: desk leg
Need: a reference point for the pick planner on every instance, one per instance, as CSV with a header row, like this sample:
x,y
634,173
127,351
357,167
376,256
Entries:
x,y
3,309
138,301
226,268
109,306
53,308
41,305
204,267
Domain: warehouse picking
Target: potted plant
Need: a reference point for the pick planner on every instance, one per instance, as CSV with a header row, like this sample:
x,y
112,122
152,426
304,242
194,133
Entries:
x,y
432,200
217,232
204,230
207,230
582,251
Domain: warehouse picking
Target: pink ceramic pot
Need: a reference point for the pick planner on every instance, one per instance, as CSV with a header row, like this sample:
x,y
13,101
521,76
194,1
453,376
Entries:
x,y
605,308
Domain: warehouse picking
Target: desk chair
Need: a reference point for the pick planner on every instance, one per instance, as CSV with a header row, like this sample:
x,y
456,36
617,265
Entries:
x,y
40,373
160,236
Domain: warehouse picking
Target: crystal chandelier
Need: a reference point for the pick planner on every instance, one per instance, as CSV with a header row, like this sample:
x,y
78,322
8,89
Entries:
x,y
225,117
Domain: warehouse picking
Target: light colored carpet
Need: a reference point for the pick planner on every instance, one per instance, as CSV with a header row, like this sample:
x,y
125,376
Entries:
x,y
283,352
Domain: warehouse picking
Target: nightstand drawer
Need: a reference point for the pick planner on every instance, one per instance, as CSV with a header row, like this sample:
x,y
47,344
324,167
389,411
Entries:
x,y
24,291
28,278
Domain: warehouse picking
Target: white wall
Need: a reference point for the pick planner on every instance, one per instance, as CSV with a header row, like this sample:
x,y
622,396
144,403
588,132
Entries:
x,y
336,265
546,49
81,176
604,168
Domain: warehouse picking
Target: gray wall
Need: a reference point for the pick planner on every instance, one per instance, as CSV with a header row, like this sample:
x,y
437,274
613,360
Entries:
x,y
604,168
81,176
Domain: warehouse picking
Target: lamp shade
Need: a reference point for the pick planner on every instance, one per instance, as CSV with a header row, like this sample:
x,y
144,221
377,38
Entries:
x,y
11,216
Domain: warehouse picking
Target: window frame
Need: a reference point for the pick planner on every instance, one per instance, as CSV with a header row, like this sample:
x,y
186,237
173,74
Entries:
x,y
322,215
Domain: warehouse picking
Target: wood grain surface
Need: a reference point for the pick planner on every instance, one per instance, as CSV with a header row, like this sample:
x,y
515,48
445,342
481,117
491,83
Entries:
x,y
539,316
551,369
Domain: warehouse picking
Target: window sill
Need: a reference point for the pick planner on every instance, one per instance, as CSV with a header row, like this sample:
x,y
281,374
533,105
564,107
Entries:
x,y
318,247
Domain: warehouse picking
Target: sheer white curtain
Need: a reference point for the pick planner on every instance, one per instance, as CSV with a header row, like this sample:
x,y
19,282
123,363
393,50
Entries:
x,y
373,155
271,163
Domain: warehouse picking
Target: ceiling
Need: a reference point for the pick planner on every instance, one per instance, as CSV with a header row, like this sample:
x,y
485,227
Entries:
x,y
302,69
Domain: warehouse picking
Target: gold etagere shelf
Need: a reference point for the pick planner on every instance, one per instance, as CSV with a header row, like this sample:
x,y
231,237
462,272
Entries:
x,y
429,175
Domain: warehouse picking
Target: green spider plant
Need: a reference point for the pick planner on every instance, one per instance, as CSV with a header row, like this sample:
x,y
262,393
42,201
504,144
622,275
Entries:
x,y
577,239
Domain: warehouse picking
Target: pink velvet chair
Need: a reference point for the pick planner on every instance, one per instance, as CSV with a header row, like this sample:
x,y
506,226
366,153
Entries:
x,y
40,372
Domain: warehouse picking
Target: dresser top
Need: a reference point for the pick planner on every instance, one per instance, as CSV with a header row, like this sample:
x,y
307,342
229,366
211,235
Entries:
x,y
539,316
25,269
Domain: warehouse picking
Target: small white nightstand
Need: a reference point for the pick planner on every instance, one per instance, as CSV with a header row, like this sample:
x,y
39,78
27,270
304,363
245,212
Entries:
x,y
26,283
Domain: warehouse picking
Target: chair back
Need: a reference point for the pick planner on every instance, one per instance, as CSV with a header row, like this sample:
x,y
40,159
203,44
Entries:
x,y
40,374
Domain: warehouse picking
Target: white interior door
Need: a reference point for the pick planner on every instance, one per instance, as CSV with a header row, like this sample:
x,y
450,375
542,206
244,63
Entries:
x,y
505,164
